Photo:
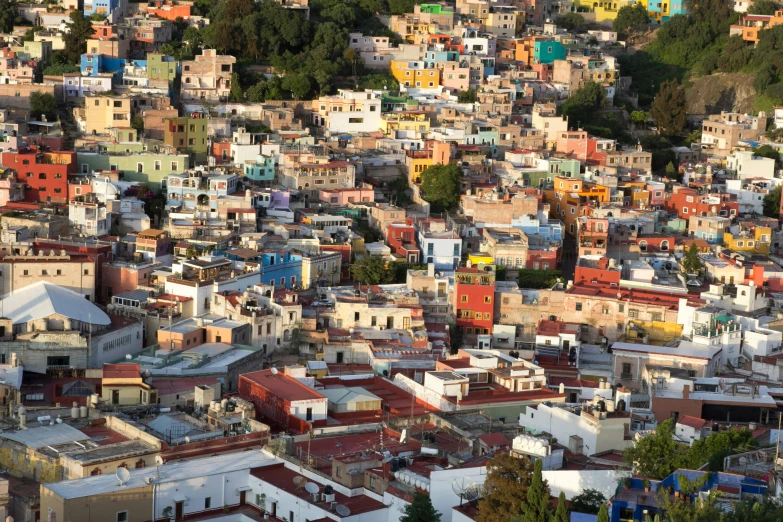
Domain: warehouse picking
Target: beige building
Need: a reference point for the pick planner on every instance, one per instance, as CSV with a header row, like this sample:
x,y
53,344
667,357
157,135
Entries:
x,y
208,77
75,273
323,269
314,170
102,113
507,246
382,215
545,119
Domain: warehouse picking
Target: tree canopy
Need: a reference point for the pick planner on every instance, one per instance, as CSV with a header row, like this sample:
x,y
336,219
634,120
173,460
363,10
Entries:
x,y
420,510
668,109
771,204
43,104
505,488
588,501
372,270
692,263
441,186
9,15
75,39
656,455
571,21
539,279
536,509
763,7
631,18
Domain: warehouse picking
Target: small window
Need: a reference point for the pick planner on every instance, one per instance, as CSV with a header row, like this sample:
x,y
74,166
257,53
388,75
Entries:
x,y
208,503
122,516
463,299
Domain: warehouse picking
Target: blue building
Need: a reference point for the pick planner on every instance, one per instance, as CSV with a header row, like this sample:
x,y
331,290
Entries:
x,y
279,268
94,64
101,7
632,502
261,170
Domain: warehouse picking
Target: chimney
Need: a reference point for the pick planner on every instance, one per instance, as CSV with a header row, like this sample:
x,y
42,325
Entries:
x,y
686,391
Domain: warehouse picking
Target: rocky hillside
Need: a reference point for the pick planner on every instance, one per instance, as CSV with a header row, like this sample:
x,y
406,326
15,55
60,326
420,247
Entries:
x,y
721,92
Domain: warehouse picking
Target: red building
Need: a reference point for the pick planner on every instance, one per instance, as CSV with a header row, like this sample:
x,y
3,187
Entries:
x,y
687,202
594,269
474,300
282,401
45,174
543,258
655,242
402,241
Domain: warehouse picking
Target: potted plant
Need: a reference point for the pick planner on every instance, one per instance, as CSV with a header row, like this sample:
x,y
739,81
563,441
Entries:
x,y
627,482
646,484
167,512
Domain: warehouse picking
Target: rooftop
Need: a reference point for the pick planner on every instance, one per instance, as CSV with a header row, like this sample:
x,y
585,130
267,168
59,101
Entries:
x,y
282,385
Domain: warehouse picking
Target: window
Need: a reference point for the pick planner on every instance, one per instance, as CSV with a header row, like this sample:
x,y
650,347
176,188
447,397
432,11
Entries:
x,y
356,316
487,299
157,164
578,307
633,314
463,299
122,516
208,503
86,271
626,370
309,415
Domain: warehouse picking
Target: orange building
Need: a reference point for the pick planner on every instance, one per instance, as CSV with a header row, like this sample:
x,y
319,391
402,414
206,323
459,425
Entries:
x,y
571,198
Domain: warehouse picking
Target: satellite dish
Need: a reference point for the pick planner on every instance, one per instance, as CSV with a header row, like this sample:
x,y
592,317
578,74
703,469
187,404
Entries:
x,y
123,475
187,440
274,370
342,510
311,487
460,486
128,356
472,492
299,481
158,460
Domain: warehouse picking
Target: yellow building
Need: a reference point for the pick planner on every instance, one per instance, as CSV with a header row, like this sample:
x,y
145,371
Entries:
x,y
752,239
105,112
416,121
417,162
122,385
414,74
571,198
605,9
481,260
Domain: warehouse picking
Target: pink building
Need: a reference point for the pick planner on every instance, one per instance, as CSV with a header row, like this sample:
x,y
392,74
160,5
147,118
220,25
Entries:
x,y
12,68
10,189
345,196
453,77
657,193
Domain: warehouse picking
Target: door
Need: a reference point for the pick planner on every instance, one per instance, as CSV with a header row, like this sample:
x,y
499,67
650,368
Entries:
x,y
273,513
566,345
179,510
242,495
115,396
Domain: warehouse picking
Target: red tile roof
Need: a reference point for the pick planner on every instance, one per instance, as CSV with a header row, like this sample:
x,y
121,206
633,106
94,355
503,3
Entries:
x,y
282,386
495,439
121,371
694,422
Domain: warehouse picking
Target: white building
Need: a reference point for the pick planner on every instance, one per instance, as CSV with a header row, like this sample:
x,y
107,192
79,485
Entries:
x,y
587,432
245,146
778,117
76,86
750,193
690,429
439,246
747,165
538,449
88,217
349,111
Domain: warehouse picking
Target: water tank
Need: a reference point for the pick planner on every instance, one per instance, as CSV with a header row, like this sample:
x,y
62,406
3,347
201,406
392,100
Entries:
x,y
223,404
621,405
83,411
75,411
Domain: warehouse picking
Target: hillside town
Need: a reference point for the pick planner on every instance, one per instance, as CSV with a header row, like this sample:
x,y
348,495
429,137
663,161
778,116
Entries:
x,y
388,261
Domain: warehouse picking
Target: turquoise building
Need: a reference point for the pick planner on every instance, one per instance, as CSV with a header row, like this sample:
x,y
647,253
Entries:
x,y
548,52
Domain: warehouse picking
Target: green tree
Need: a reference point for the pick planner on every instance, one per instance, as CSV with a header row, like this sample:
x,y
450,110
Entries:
x,y
671,170
536,509
561,513
298,84
692,263
372,270
588,501
255,93
603,514
571,21
420,510
43,104
505,488
9,15
398,7
639,117
60,68
441,186
468,96
378,82
668,109
655,455
771,204
236,88
631,18
582,106
75,39
763,7
717,446
765,151
538,279
137,122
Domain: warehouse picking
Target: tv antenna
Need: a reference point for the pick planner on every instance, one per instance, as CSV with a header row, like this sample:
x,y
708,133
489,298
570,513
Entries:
x,y
123,475
460,487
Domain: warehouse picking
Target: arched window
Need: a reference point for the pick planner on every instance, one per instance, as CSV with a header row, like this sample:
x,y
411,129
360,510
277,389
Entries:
x,y
664,245
96,471
140,464
643,246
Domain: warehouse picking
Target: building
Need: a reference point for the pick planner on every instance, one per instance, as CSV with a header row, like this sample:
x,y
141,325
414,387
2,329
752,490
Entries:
x,y
44,173
208,77
709,228
474,297
720,133
569,199
187,134
748,166
349,111
439,245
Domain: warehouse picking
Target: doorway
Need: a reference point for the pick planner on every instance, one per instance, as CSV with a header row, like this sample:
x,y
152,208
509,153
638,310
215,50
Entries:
x,y
179,510
242,495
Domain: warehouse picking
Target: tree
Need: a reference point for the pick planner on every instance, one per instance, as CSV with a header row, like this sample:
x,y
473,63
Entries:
x,y
60,68
137,122
441,186
9,15
571,21
771,204
603,514
298,84
538,279
656,455
505,488
671,170
536,509
468,96
372,270
668,109
43,104
561,513
583,105
639,117
691,263
763,7
79,30
588,501
420,510
236,88
719,445
631,18
398,7
765,151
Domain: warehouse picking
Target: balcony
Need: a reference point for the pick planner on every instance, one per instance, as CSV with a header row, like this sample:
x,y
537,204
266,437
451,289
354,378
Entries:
x,y
626,375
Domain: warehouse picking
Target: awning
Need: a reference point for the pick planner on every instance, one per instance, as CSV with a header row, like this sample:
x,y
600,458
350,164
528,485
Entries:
x,y
180,498
244,488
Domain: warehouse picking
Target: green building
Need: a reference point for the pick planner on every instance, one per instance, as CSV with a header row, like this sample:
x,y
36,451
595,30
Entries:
x,y
148,167
436,9
161,67
187,134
